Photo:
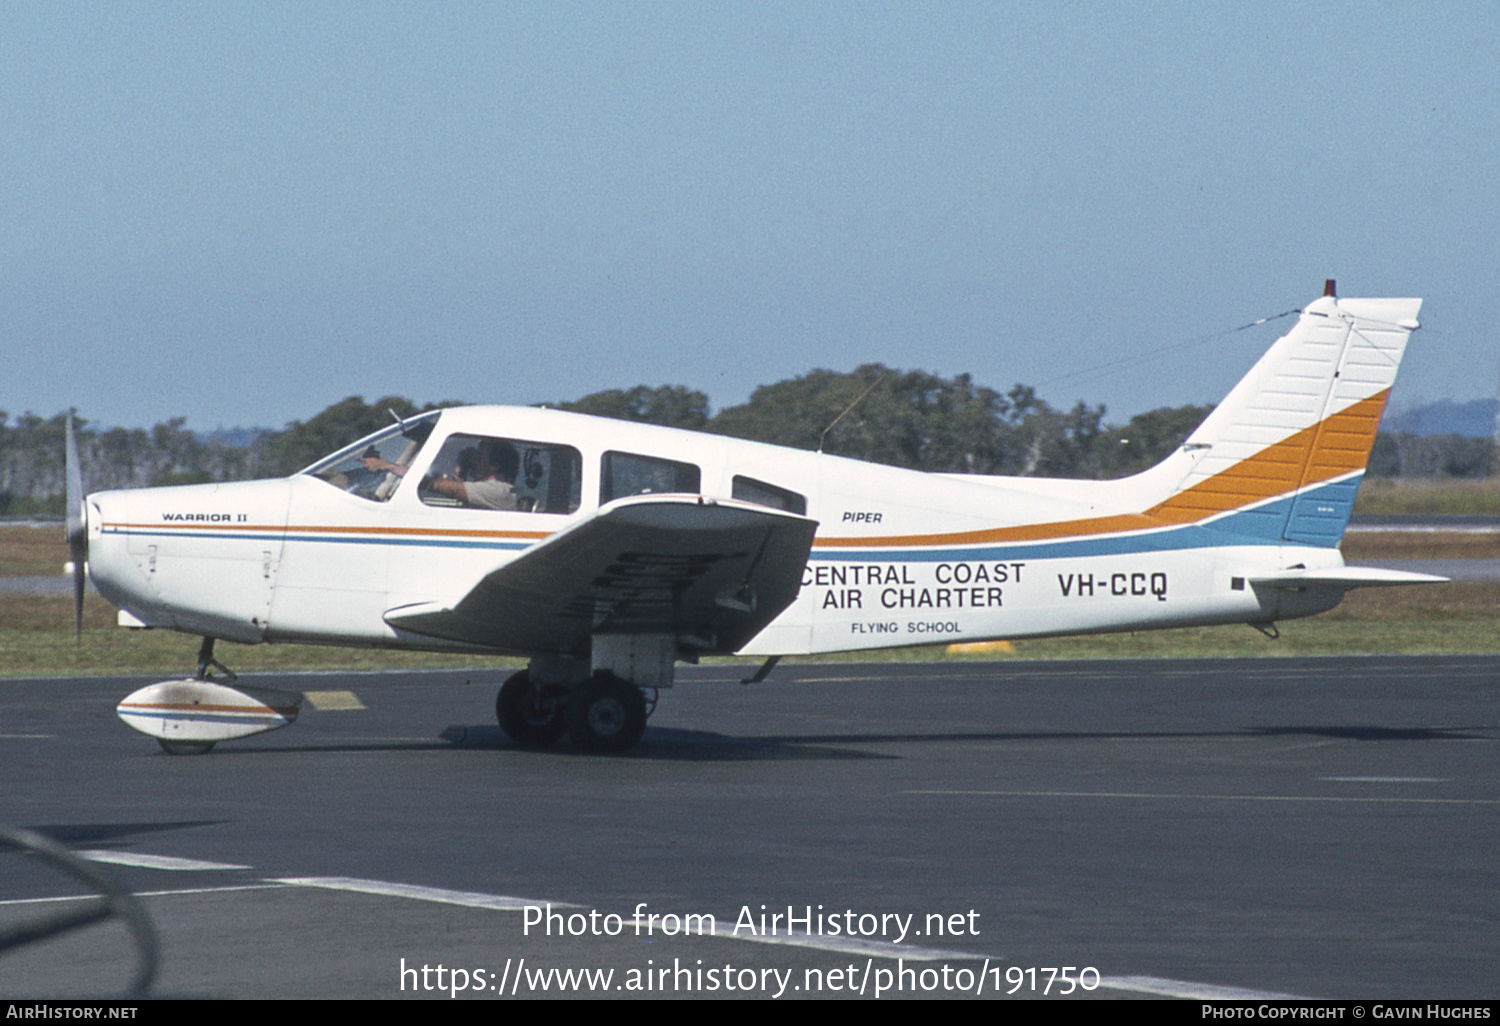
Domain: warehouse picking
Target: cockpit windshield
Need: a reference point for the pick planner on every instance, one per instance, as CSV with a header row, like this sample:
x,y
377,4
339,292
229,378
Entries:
x,y
373,467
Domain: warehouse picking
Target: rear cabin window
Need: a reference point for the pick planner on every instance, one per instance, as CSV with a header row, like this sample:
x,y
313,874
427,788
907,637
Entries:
x,y
482,472
628,474
747,489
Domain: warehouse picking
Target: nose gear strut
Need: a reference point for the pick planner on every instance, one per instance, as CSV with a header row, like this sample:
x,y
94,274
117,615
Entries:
x,y
207,664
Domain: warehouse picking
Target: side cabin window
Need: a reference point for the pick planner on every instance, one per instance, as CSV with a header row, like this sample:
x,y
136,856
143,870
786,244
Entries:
x,y
629,474
481,472
373,467
748,489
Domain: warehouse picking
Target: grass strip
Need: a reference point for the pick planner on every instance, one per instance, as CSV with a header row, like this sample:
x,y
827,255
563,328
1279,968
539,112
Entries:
x,y
37,640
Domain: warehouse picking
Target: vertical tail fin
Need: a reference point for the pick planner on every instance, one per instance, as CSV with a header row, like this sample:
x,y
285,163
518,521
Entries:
x,y
1284,453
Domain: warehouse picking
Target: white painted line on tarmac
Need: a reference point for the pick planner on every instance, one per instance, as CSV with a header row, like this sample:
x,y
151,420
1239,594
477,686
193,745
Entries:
x,y
149,894
269,885
842,945
1193,991
506,903
143,861
468,899
44,901
1218,797
857,946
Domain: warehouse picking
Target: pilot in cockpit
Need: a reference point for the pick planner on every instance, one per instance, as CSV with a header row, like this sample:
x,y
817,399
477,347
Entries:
x,y
484,476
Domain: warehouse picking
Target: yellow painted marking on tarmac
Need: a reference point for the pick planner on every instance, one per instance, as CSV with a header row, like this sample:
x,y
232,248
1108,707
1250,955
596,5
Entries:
x,y
332,701
1216,797
980,647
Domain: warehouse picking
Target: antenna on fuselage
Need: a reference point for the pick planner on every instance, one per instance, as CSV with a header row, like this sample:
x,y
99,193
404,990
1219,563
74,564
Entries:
x,y
405,431
824,435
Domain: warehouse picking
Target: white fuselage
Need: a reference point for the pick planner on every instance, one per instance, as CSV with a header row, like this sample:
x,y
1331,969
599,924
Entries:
x,y
900,557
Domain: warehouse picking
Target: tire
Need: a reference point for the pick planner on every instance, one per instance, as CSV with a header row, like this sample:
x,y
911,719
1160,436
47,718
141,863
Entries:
x,y
607,715
525,720
184,747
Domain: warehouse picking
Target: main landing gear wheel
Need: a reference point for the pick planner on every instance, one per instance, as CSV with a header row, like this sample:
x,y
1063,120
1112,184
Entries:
x,y
184,747
529,719
607,714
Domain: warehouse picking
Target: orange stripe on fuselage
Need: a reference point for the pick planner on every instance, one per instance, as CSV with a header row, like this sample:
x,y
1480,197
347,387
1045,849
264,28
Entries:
x,y
1328,449
1331,448
420,532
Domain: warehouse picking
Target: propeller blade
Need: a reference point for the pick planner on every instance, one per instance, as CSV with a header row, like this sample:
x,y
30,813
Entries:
x,y
78,528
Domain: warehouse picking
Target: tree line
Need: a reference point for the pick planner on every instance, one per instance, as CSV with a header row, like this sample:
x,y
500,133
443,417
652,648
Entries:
x,y
951,425
876,413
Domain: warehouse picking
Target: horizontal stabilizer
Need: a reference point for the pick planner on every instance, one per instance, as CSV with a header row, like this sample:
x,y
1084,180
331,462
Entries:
x,y
1344,577
712,573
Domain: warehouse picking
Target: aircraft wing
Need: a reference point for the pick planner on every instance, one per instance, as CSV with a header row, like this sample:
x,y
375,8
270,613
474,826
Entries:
x,y
712,573
1343,577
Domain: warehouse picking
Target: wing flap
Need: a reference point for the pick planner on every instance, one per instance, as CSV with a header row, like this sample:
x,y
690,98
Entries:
x,y
713,573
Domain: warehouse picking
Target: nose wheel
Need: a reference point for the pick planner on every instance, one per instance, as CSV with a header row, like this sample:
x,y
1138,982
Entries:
x,y
207,664
185,747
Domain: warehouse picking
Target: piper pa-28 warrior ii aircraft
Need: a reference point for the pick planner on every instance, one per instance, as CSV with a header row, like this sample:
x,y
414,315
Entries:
x,y
608,551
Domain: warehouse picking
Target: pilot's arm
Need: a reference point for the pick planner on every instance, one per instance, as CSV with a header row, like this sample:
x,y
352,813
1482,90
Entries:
x,y
449,486
375,464
477,494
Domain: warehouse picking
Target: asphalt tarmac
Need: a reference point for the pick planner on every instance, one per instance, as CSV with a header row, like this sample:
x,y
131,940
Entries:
x,y
1319,828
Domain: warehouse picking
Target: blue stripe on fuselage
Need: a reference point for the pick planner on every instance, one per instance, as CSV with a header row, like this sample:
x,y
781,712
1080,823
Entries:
x,y
1257,525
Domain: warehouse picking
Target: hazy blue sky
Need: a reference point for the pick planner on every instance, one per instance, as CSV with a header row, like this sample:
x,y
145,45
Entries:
x,y
240,213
